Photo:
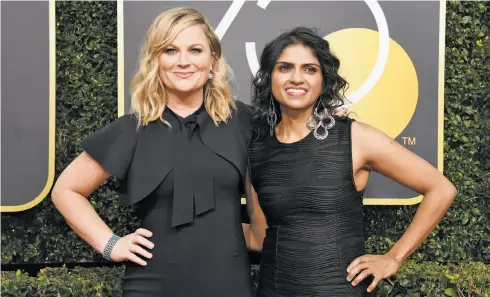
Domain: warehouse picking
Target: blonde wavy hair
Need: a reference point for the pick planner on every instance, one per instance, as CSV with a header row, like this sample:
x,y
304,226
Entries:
x,y
148,100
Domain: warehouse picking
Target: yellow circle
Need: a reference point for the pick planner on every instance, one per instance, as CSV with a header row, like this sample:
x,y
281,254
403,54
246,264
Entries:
x,y
390,105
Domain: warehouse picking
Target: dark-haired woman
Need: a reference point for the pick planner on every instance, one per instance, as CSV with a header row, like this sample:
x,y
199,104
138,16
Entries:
x,y
309,168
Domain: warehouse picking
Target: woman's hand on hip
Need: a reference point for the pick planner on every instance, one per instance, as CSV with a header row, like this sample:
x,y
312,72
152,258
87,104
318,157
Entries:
x,y
379,266
130,247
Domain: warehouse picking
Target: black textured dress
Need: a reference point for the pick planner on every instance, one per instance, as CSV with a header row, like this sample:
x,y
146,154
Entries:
x,y
314,213
185,183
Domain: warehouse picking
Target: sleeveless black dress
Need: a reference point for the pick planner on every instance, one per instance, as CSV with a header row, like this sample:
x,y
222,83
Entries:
x,y
314,213
186,184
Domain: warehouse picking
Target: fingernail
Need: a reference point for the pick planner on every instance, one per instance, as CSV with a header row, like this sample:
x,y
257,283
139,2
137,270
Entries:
x,y
369,290
354,284
348,279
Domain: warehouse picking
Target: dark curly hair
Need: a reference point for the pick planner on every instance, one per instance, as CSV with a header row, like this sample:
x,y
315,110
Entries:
x,y
334,86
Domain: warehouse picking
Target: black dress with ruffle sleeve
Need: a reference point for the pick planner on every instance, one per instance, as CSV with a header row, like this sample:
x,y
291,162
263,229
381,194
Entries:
x,y
185,182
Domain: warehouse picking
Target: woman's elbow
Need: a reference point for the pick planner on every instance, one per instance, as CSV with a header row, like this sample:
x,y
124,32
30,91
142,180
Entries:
x,y
57,192
61,190
448,192
451,192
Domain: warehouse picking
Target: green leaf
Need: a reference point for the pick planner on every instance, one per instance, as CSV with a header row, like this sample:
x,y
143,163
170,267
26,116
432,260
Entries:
x,y
465,20
450,292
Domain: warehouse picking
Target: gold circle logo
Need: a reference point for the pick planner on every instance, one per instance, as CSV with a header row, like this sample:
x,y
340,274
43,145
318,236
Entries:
x,y
391,103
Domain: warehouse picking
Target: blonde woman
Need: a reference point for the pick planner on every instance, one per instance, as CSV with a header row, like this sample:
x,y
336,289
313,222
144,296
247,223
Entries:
x,y
181,158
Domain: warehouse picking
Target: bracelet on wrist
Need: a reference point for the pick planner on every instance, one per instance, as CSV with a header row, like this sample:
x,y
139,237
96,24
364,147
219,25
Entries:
x,y
109,246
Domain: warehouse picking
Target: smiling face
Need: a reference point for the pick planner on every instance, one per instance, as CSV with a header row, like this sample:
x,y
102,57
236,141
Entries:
x,y
185,63
297,78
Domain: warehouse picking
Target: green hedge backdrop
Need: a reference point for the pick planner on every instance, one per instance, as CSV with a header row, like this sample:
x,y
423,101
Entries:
x,y
86,100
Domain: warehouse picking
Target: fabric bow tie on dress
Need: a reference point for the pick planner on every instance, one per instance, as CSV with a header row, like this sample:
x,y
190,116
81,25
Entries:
x,y
193,189
189,124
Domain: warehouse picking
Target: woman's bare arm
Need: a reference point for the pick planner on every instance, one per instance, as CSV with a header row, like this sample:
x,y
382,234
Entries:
x,y
77,182
255,231
384,155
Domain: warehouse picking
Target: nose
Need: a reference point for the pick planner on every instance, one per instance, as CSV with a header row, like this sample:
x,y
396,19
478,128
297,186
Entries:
x,y
183,60
296,77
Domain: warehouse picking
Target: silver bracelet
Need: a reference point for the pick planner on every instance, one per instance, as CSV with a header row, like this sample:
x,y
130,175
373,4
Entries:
x,y
109,246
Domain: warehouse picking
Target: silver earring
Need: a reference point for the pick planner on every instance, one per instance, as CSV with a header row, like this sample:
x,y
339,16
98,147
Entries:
x,y
321,117
210,75
271,116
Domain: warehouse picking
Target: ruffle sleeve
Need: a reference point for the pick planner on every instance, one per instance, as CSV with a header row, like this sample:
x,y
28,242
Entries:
x,y
113,146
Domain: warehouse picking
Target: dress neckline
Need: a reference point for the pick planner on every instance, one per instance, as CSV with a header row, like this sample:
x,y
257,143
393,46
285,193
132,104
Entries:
x,y
302,140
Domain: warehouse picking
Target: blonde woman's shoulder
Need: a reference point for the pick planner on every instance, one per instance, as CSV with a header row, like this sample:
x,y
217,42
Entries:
x,y
113,145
